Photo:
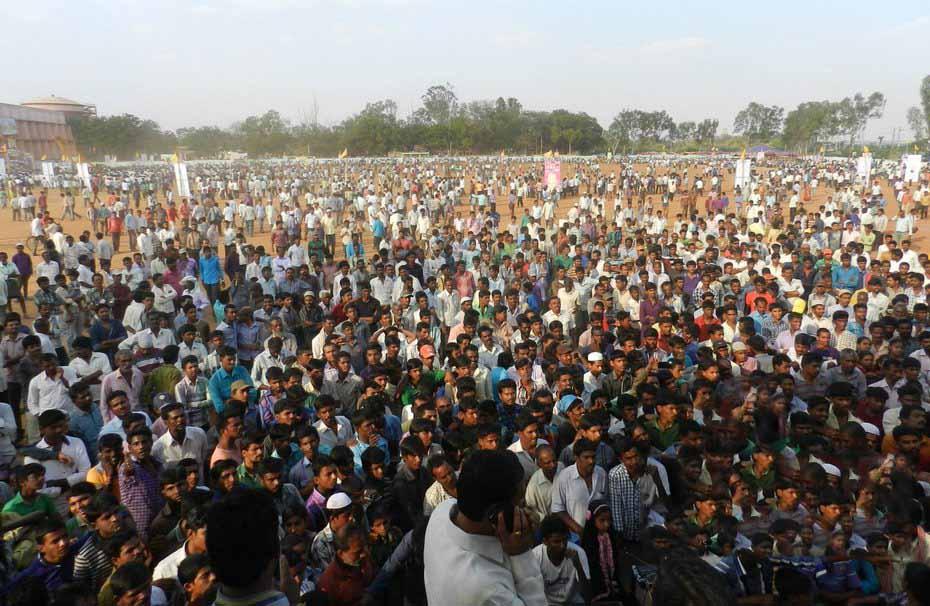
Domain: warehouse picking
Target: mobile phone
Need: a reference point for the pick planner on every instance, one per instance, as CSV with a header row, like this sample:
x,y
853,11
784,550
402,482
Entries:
x,y
497,508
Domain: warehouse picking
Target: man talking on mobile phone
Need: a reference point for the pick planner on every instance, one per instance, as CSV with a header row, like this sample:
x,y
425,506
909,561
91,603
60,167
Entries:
x,y
479,546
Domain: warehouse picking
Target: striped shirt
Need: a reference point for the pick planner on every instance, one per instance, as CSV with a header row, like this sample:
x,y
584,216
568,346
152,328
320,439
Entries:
x,y
92,563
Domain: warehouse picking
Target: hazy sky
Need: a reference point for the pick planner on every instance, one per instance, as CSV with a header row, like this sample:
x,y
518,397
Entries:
x,y
211,62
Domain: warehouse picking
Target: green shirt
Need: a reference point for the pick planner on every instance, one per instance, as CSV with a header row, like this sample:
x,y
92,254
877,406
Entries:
x,y
40,502
247,478
756,483
162,380
662,438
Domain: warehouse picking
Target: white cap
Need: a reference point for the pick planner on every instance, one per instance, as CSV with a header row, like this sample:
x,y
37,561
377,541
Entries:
x,y
595,356
831,469
337,501
871,429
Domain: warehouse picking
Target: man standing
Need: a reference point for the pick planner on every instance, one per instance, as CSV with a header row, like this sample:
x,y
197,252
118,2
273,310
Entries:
x,y
139,486
210,272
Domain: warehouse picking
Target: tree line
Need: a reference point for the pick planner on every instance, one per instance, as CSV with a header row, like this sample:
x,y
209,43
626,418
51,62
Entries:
x,y
445,124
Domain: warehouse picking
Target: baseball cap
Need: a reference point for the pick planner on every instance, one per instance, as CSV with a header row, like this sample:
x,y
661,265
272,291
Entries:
x,y
161,400
237,385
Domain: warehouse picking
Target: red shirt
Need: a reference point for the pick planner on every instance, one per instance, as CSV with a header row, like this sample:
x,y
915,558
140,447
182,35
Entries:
x,y
114,224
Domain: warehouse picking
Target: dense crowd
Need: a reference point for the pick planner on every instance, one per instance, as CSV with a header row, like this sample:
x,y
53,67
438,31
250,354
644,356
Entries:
x,y
450,382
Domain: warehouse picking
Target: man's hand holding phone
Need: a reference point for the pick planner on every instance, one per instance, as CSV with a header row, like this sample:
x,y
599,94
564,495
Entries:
x,y
520,539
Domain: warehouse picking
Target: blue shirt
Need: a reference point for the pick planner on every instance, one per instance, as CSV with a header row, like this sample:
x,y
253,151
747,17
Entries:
x,y
377,228
301,473
99,333
359,447
220,386
230,334
210,272
87,426
247,335
846,277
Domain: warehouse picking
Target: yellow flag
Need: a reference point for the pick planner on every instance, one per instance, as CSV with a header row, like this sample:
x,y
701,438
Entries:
x,y
742,155
865,149
174,158
821,149
44,157
344,153
548,154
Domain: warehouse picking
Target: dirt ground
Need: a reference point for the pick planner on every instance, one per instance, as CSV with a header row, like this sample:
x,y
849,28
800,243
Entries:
x,y
12,232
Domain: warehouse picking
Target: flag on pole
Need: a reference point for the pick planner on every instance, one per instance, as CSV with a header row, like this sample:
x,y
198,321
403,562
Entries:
x,y
742,155
344,153
548,154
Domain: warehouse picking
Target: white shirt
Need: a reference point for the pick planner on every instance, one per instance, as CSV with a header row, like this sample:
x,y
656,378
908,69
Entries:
x,y
195,349
570,492
74,472
330,438
463,569
49,270
561,581
167,450
168,567
98,361
132,317
262,363
164,338
164,298
47,394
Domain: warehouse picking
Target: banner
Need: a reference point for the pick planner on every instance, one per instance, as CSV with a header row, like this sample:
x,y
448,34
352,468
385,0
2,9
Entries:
x,y
743,177
83,171
2,167
180,180
552,175
912,164
864,168
48,170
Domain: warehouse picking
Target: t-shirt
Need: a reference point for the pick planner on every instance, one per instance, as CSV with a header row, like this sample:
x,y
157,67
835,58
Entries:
x,y
561,581
42,502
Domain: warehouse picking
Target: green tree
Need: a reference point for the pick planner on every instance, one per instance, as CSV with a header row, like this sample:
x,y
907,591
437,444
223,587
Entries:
x,y
706,131
856,111
918,123
759,122
811,123
925,100
265,135
374,130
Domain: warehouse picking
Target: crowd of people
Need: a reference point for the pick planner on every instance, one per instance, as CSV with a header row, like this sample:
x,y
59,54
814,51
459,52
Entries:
x,y
448,382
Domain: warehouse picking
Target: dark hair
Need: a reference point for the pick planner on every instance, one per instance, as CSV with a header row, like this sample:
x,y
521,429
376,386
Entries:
x,y
190,566
114,545
552,524
488,478
103,502
254,516
128,577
